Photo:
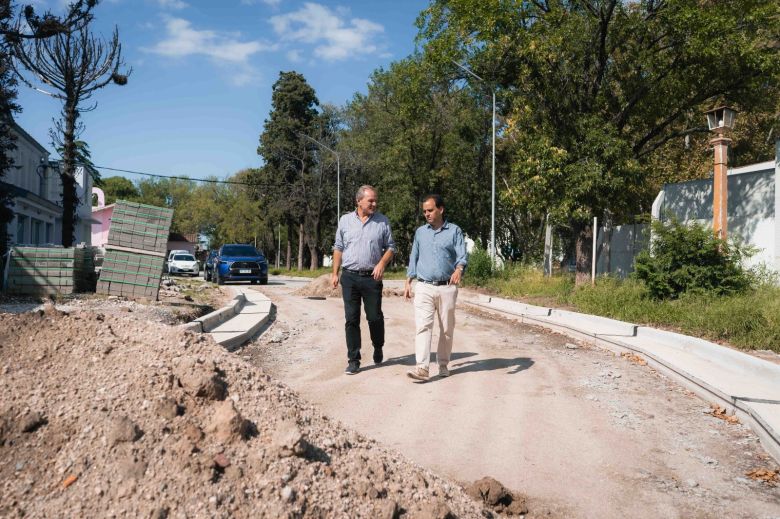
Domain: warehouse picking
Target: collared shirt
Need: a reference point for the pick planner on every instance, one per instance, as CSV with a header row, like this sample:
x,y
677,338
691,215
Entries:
x,y
436,253
363,244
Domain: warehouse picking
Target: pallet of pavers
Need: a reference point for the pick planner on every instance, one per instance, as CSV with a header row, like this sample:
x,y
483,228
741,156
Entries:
x,y
140,226
50,270
135,250
130,274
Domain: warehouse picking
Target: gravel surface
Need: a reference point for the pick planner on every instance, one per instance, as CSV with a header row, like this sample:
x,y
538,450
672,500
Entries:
x,y
111,414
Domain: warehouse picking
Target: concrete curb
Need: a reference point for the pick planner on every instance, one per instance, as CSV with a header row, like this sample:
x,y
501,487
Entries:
x,y
747,386
211,320
253,314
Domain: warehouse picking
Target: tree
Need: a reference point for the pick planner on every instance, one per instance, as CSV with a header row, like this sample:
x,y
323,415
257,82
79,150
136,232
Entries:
x,y
75,64
597,87
40,26
417,132
119,188
287,156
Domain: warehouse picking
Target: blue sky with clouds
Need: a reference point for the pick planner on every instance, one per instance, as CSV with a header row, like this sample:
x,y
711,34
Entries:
x,y
203,72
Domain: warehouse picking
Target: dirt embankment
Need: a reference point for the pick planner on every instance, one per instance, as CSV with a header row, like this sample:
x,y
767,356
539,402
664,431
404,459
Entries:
x,y
114,416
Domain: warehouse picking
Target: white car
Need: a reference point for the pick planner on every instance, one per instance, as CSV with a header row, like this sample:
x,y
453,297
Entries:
x,y
183,264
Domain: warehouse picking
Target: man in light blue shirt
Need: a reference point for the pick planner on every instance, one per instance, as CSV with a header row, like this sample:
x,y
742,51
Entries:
x,y
437,262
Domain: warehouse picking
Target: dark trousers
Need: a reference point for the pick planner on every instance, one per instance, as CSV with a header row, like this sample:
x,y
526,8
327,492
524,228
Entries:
x,y
355,288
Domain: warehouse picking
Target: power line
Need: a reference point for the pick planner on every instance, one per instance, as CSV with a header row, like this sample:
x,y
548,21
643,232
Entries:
x,y
158,175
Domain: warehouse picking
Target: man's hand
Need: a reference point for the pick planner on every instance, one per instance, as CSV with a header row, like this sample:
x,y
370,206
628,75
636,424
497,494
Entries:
x,y
379,271
408,288
455,277
334,279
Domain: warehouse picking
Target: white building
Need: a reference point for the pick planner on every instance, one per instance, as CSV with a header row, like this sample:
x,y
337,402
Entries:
x,y
37,192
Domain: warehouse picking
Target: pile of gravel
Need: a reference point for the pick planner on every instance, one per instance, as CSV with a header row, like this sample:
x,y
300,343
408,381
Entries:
x,y
104,415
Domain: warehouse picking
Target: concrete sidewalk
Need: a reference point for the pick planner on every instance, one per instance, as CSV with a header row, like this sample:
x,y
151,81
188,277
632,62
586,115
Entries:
x,y
237,322
253,314
745,385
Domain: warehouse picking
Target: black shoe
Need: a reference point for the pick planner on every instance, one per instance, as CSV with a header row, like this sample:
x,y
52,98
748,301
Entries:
x,y
352,368
378,357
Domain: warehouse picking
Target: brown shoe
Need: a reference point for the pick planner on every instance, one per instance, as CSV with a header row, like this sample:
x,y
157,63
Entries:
x,y
418,373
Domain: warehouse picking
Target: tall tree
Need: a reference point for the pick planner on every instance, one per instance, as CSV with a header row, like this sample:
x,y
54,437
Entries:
x,y
597,87
75,64
286,154
40,26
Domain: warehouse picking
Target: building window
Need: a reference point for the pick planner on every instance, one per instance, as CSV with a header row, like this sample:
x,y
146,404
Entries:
x,y
21,223
35,231
49,232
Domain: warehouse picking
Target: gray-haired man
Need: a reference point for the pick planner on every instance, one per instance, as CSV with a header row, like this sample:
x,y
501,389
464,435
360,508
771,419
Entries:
x,y
363,248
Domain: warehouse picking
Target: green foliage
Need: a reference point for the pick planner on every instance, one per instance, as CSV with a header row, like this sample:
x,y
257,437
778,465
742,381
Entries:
x,y
119,188
589,91
297,183
8,107
690,258
480,267
83,158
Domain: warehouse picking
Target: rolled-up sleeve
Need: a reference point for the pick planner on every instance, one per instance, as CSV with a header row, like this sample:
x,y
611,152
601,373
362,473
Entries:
x,y
389,242
461,257
411,270
339,243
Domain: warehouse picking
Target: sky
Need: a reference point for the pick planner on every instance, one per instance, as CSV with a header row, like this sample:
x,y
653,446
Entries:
x,y
203,71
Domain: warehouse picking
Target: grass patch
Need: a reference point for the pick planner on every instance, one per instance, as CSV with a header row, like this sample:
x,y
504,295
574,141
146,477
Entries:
x,y
750,320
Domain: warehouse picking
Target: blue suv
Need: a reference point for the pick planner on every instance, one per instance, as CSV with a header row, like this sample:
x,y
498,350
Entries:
x,y
235,262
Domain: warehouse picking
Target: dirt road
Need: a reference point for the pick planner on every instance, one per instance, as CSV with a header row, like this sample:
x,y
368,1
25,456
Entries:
x,y
582,432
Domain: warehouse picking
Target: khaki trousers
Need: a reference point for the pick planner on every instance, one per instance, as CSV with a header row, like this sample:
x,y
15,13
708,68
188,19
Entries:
x,y
434,301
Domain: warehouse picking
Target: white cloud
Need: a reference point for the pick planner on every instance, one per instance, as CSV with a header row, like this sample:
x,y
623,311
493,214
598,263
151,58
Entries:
x,y
172,4
294,55
272,3
333,38
183,40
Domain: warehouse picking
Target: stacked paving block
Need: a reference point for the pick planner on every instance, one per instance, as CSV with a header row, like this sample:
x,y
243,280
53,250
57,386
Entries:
x,y
51,270
135,251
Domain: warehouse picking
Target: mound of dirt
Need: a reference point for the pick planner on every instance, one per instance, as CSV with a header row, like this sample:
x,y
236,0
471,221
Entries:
x,y
108,415
322,287
319,287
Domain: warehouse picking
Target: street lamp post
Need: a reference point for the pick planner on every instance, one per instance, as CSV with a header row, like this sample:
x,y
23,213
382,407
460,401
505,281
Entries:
x,y
338,174
721,121
493,168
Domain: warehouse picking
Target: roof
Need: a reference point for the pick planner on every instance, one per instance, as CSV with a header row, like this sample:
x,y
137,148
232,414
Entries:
x,y
190,238
18,129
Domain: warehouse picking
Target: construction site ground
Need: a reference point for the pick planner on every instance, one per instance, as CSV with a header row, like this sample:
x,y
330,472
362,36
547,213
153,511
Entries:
x,y
581,431
109,410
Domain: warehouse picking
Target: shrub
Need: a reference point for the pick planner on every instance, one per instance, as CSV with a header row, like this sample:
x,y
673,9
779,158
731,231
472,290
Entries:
x,y
691,259
480,266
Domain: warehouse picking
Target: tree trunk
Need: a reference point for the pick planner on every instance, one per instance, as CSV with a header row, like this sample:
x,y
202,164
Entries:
x,y
68,175
300,246
583,252
289,250
606,249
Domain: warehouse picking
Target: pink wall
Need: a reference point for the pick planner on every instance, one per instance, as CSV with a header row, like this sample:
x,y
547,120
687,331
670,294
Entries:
x,y
100,230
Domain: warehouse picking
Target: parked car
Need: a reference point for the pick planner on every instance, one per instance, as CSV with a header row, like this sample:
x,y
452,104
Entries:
x,y
208,265
171,254
183,263
236,262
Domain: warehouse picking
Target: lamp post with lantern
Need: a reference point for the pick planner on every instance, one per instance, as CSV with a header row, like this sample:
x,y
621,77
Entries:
x,y
721,121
